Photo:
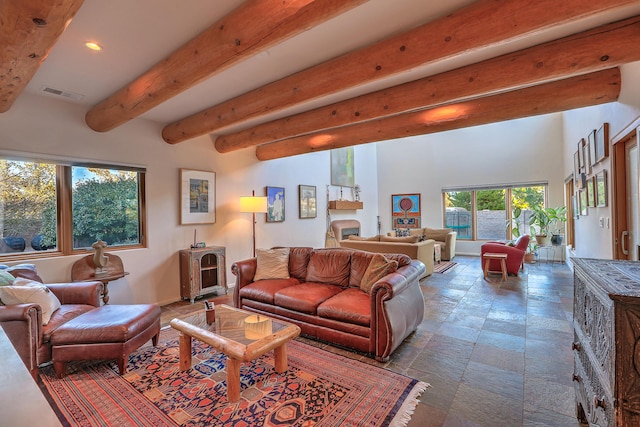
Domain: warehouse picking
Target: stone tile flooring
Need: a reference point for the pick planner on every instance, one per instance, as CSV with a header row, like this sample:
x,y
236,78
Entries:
x,y
495,353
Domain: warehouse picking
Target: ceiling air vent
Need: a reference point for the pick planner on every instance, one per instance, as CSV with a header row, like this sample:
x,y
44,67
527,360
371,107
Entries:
x,y
63,93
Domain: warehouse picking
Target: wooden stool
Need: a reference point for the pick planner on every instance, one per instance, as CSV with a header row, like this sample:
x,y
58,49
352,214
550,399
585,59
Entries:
x,y
503,264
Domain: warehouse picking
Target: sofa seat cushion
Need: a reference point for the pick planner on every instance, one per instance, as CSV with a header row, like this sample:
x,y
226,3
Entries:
x,y
265,290
65,313
351,305
305,297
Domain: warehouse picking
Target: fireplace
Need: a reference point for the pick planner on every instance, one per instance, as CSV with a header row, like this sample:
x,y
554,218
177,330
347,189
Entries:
x,y
343,228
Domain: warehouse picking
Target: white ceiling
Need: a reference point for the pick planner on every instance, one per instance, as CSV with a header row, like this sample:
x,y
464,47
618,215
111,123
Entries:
x,y
137,34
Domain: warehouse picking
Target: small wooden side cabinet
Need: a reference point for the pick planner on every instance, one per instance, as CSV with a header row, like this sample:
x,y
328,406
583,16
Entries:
x,y
606,345
202,272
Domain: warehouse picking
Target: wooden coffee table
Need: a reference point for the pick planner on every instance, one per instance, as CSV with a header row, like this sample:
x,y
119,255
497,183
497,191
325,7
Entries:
x,y
240,335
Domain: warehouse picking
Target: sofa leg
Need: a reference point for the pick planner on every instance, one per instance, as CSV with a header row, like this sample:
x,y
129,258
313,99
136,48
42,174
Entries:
x,y
60,368
154,339
122,364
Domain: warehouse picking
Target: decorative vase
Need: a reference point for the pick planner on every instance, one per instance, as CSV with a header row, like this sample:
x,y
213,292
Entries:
x,y
543,239
556,239
529,257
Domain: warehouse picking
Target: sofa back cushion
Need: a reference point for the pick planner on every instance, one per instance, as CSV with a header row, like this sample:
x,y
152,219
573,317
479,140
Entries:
x,y
298,261
405,239
329,266
439,234
375,238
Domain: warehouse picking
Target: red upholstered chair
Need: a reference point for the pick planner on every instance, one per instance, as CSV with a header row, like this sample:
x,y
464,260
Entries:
x,y
515,254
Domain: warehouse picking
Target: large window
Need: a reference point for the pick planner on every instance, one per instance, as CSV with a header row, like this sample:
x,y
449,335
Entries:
x,y
496,213
53,208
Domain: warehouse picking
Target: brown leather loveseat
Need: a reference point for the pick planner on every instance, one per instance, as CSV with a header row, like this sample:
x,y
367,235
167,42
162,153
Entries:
x,y
324,298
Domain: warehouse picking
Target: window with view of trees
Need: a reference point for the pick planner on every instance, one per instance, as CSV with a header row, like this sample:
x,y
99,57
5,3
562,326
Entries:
x,y
105,203
492,213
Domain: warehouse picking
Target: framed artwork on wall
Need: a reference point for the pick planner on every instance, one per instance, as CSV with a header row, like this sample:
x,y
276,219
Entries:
x,y
275,204
405,210
583,203
601,189
342,167
308,201
602,143
591,143
574,207
197,197
591,195
580,151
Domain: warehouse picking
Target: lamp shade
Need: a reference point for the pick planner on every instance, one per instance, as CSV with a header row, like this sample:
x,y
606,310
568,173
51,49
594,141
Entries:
x,y
255,204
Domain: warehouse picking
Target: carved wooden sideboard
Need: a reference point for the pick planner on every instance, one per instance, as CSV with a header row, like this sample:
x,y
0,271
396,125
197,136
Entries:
x,y
606,324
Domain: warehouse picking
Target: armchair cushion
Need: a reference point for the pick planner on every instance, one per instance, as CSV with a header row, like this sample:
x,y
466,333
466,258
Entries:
x,y
26,291
6,278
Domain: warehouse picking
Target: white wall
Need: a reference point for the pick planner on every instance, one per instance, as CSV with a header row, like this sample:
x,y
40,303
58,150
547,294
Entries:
x,y
54,128
523,150
592,240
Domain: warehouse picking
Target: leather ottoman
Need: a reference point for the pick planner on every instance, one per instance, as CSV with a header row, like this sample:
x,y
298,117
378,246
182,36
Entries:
x,y
108,332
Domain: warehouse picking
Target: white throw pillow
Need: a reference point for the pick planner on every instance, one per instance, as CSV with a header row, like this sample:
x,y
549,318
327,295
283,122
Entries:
x,y
272,264
26,291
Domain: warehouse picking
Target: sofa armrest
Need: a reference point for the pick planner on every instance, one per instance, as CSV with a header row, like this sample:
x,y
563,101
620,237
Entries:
x,y
78,292
23,325
397,307
244,271
450,246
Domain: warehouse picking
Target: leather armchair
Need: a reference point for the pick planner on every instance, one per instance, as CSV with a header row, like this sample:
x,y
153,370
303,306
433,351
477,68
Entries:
x,y
515,254
23,322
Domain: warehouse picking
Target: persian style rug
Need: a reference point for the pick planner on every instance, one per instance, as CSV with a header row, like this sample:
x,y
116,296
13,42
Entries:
x,y
444,267
319,389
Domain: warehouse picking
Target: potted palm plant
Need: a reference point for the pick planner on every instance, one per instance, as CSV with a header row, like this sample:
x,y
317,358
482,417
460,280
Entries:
x,y
540,223
548,222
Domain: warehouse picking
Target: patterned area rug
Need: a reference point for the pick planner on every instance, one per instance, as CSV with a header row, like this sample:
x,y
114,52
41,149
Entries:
x,y
319,389
444,267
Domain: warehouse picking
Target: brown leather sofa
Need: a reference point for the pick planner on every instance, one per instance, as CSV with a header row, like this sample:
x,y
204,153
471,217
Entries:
x,y
23,322
323,297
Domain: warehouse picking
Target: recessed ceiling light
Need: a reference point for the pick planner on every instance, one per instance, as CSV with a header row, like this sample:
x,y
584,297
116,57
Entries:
x,y
93,46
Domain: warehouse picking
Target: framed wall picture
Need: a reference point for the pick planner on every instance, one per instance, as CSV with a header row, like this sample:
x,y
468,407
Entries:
x,y
602,143
574,207
342,167
581,163
591,192
576,170
405,210
308,201
583,203
601,189
197,197
591,143
275,204
587,159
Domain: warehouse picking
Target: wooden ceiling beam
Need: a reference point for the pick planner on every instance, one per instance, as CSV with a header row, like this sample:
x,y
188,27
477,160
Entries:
x,y
460,32
601,48
576,92
253,27
28,31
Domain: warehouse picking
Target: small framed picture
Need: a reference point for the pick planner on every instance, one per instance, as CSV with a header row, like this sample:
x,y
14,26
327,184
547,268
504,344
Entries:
x,y
602,143
591,195
601,189
591,142
308,201
583,203
275,204
580,151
